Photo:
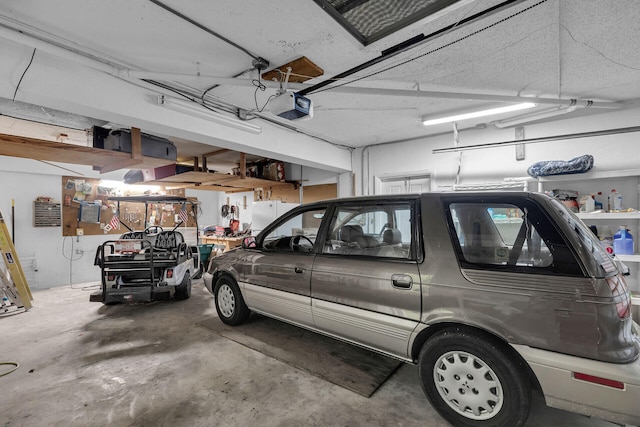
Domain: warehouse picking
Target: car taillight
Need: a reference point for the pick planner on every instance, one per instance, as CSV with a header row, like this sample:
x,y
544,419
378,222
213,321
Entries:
x,y
620,293
170,273
599,380
111,278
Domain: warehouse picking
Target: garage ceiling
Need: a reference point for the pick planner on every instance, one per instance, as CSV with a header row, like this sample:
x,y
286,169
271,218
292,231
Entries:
x,y
555,52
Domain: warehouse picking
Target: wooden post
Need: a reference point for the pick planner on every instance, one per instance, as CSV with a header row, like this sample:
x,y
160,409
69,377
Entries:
x,y
243,165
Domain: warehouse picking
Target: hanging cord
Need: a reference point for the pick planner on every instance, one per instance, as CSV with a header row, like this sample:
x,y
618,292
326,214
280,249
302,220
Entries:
x,y
16,365
261,87
23,74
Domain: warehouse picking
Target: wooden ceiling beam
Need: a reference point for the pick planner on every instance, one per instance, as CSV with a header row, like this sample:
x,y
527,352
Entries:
x,y
49,151
216,152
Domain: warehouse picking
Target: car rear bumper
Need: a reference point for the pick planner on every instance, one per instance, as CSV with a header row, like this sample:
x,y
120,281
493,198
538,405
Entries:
x,y
556,375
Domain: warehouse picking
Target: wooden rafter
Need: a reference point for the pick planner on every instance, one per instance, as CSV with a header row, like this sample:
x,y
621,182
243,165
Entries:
x,y
103,160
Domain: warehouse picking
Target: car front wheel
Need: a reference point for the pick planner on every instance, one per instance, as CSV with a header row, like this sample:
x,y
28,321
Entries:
x,y
230,305
471,380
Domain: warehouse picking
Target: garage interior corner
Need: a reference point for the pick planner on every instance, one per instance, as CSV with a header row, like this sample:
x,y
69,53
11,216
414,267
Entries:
x,y
160,364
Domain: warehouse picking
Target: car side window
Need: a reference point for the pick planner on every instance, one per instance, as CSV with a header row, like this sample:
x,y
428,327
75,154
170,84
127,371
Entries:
x,y
382,231
508,237
295,234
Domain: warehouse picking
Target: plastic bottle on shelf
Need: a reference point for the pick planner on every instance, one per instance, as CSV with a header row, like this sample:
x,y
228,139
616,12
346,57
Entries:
x,y
587,203
598,204
623,241
615,201
606,239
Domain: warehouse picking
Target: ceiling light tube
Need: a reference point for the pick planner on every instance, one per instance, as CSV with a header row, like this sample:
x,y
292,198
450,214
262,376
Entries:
x,y
539,115
476,114
196,110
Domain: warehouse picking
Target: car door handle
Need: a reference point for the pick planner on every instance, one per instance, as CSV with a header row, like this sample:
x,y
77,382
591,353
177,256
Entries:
x,y
402,281
299,270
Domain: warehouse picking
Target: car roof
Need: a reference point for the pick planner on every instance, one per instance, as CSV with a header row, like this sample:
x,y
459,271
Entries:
x,y
413,196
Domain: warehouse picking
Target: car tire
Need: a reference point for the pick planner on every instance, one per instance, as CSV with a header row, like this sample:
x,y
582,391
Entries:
x,y
183,290
472,380
230,305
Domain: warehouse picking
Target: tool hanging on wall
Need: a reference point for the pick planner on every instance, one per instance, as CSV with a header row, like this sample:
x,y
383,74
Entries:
x,y
224,211
234,222
15,288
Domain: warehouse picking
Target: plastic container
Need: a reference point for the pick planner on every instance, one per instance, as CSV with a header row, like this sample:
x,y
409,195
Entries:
x,y
587,203
598,204
623,241
205,252
606,239
615,201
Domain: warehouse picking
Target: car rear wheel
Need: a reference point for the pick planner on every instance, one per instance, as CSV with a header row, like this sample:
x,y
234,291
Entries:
x,y
230,305
471,380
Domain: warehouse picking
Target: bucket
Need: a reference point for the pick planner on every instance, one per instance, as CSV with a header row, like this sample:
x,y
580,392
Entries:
x,y
205,252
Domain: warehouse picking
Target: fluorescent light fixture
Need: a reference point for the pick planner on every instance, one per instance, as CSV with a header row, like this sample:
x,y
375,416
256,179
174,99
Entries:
x,y
530,117
475,114
196,110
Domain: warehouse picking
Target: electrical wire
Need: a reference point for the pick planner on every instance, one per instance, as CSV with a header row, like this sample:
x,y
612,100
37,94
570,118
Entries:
x,y
71,261
218,109
209,89
16,365
262,116
23,74
260,86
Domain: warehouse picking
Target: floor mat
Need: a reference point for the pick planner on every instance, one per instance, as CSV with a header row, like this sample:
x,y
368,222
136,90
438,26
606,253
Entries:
x,y
353,368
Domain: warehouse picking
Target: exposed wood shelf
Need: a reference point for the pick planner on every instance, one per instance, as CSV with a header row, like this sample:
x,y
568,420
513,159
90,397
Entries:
x,y
216,182
50,151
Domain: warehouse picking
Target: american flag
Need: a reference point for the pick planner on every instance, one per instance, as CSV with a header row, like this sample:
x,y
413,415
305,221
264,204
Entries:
x,y
184,216
115,222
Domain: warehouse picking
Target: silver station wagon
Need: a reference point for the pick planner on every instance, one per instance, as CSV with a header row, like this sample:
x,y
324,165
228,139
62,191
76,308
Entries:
x,y
495,296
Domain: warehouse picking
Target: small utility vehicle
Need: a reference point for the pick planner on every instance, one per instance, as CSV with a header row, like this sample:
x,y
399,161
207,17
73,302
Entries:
x,y
148,265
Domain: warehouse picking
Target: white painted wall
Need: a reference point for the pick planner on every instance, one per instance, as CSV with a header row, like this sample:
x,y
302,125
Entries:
x,y
494,164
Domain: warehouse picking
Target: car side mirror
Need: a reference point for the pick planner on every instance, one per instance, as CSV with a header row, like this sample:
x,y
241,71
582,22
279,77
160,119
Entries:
x,y
249,242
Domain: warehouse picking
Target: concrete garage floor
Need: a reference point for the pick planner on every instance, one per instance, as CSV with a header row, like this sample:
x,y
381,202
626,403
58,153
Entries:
x,y
85,364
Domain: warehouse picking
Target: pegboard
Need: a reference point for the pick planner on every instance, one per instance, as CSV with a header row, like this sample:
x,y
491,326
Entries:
x,y
76,190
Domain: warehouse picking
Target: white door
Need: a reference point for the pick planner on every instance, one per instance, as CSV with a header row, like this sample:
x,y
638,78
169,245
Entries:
x,y
404,184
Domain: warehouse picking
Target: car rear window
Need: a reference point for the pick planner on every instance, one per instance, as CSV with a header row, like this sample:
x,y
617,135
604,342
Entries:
x,y
515,237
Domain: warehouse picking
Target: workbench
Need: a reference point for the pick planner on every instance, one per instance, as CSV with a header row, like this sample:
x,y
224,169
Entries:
x,y
227,242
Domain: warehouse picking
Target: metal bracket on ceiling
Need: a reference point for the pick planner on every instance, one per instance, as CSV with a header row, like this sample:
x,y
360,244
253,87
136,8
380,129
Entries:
x,y
260,64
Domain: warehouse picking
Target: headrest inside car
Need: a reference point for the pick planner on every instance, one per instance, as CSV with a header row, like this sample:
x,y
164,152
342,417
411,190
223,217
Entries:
x,y
392,236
